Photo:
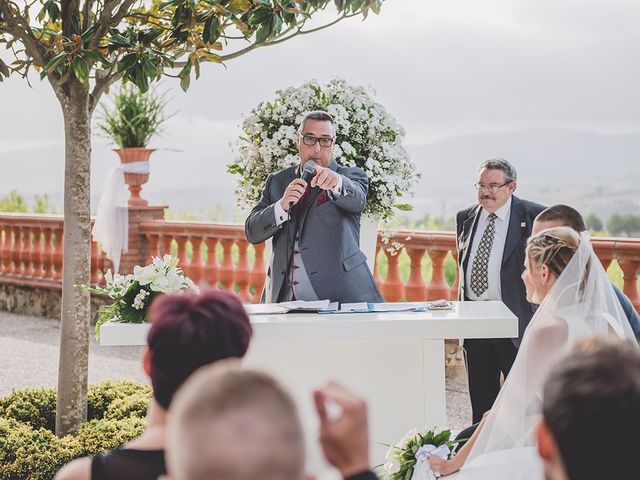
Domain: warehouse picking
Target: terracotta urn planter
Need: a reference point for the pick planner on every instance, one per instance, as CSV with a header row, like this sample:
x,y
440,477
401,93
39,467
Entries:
x,y
135,180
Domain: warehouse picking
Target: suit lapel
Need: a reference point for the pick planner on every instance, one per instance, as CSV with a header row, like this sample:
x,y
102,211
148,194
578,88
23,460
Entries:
x,y
516,229
468,227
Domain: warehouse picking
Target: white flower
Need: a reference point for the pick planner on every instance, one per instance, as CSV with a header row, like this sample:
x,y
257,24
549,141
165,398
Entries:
x,y
138,301
391,468
148,274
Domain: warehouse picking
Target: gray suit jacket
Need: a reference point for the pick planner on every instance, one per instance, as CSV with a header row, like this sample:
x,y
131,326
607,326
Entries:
x,y
514,294
329,238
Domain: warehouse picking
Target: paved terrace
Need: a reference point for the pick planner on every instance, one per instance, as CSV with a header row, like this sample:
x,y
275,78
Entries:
x,y
29,358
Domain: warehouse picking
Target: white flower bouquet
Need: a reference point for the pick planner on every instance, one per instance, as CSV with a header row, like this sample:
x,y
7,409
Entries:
x,y
367,137
132,294
408,459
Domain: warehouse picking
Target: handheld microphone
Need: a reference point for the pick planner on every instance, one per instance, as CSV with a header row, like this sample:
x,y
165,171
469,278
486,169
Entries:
x,y
308,172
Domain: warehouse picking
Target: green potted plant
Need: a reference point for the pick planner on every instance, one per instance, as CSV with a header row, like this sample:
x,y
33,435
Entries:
x,y
133,119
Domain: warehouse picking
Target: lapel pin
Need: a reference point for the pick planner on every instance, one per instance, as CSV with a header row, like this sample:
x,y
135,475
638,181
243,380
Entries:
x,y
523,225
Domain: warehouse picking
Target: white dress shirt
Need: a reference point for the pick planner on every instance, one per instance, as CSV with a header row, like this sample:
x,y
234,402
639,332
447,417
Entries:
x,y
494,292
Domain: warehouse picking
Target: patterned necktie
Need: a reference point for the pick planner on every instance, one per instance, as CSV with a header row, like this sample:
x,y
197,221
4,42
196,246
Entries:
x,y
479,280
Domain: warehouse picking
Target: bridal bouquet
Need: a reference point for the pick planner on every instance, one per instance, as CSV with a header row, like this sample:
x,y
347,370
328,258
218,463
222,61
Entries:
x,y
132,294
367,137
408,459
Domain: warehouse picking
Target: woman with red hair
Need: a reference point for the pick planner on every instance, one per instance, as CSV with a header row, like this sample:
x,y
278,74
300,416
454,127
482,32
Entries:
x,y
187,332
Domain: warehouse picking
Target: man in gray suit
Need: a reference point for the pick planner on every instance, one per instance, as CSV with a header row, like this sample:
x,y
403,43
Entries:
x,y
315,226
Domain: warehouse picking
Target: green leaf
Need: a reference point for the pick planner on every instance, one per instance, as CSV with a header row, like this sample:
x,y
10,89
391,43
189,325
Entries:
x,y
80,68
56,61
97,56
75,25
53,10
239,6
405,207
210,31
89,33
127,62
263,33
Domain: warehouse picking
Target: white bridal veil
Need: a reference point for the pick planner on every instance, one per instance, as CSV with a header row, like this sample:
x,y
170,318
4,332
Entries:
x,y
580,304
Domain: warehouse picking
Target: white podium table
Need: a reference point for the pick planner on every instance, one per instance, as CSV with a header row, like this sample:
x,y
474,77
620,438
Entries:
x,y
394,359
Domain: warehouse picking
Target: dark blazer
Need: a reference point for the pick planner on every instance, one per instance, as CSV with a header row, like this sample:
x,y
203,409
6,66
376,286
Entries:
x,y
329,238
514,296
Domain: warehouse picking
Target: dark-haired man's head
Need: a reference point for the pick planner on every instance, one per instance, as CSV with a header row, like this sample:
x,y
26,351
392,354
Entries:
x,y
233,424
189,331
558,216
591,414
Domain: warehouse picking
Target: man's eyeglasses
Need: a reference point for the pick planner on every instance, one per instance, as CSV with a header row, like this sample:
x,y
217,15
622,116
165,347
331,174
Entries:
x,y
310,140
492,187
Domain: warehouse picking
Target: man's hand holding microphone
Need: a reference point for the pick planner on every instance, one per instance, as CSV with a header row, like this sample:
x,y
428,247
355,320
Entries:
x,y
312,174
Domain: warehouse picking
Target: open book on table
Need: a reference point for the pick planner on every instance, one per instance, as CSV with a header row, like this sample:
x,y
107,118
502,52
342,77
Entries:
x,y
324,306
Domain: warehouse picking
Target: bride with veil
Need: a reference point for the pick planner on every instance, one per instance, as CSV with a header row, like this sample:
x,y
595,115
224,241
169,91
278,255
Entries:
x,y
565,277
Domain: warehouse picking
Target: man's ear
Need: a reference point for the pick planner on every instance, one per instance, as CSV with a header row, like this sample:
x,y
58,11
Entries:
x,y
546,443
146,361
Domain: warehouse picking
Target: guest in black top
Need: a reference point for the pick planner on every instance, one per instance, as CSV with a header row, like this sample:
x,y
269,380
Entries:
x,y
187,332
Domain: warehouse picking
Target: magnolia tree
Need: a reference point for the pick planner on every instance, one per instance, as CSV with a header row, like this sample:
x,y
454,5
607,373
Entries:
x,y
81,47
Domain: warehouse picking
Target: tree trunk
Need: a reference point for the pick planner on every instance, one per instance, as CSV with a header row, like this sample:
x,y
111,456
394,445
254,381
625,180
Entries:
x,y
71,409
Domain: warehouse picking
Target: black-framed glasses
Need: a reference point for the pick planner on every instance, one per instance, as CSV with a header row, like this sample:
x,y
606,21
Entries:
x,y
310,140
492,186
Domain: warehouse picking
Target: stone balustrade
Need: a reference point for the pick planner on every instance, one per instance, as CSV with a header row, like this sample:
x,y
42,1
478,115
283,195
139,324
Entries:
x,y
31,251
219,255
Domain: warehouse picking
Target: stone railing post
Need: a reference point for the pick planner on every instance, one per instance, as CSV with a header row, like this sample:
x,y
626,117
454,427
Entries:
x,y
139,248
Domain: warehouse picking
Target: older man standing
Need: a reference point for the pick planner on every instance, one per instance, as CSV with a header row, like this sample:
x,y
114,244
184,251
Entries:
x,y
315,225
492,237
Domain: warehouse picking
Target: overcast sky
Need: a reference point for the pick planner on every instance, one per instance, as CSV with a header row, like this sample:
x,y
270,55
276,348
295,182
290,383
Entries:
x,y
444,69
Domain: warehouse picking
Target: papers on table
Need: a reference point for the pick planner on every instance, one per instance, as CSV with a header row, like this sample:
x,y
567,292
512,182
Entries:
x,y
296,306
439,305
325,306
397,307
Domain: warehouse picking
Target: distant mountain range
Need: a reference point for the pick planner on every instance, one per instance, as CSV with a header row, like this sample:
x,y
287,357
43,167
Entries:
x,y
595,173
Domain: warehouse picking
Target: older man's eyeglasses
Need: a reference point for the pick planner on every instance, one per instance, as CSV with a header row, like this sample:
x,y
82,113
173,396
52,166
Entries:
x,y
493,187
310,141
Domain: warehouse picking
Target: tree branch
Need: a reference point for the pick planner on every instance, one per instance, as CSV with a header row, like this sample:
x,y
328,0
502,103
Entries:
x,y
282,37
104,21
18,27
305,32
101,86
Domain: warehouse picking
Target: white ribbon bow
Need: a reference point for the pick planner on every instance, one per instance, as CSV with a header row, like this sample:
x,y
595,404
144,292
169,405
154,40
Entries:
x,y
111,228
422,469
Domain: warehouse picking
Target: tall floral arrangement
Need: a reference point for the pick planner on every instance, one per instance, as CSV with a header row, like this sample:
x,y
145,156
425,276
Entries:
x,y
367,137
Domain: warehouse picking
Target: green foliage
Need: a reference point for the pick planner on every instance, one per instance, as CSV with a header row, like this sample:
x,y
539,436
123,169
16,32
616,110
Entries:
x,y
134,118
15,202
134,405
624,225
36,407
28,453
99,436
594,223
101,395
29,450
139,43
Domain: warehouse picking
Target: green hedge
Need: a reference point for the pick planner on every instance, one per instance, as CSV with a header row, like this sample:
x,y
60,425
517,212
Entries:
x,y
29,449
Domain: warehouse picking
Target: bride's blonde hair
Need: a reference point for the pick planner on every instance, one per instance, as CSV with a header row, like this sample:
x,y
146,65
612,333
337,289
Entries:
x,y
553,247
